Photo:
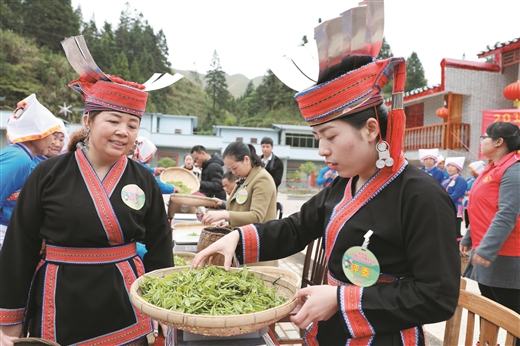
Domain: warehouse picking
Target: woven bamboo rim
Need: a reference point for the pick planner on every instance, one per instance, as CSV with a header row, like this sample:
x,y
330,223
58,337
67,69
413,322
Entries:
x,y
192,200
194,226
218,325
181,174
285,273
187,256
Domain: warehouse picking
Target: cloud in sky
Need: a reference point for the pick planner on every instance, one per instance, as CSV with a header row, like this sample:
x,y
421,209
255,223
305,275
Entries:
x,y
249,34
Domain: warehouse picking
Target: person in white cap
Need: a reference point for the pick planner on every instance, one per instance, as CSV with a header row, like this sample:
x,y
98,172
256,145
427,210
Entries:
x,y
441,162
428,158
475,168
88,207
60,142
29,130
144,153
455,186
392,261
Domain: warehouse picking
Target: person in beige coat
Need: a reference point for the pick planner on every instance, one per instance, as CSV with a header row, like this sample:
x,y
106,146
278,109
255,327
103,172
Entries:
x,y
254,197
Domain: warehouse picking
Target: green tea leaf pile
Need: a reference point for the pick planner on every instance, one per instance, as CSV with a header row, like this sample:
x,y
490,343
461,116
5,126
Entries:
x,y
179,261
183,189
210,291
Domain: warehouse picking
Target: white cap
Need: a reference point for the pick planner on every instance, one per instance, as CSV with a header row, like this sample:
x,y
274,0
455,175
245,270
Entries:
x,y
477,166
428,154
31,121
440,158
456,161
144,149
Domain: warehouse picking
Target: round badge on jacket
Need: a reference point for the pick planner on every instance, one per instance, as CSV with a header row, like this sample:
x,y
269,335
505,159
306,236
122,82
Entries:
x,y
361,266
242,195
133,196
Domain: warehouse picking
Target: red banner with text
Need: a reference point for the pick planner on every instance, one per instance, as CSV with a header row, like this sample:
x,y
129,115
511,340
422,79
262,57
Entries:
x,y
494,115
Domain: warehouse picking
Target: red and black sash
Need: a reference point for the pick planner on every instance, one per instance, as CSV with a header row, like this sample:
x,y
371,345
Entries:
x,y
342,212
117,253
350,205
101,192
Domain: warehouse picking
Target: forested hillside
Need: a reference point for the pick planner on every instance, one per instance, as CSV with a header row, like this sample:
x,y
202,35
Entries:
x,y
32,61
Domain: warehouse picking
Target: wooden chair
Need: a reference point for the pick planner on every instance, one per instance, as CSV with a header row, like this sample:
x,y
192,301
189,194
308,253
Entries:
x,y
314,273
493,317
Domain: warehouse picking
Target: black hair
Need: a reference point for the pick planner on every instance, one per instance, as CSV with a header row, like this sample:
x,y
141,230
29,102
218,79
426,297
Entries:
x,y
239,150
80,135
507,131
199,149
188,154
230,176
267,140
358,120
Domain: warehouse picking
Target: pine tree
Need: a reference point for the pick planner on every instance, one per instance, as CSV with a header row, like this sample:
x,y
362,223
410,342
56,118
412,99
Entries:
x,y
122,69
249,89
385,52
107,49
49,22
216,86
414,73
135,73
11,15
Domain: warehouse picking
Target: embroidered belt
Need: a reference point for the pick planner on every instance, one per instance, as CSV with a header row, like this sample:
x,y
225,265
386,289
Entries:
x,y
77,255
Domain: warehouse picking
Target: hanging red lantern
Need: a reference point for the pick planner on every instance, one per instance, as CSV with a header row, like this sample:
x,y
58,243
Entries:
x,y
442,112
512,92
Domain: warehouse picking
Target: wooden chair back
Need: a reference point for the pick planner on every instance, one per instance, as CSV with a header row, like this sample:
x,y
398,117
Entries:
x,y
493,317
314,273
314,267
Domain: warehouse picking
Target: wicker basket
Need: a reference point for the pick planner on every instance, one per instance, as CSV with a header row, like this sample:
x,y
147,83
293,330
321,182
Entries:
x,y
192,200
208,236
181,174
218,325
187,256
190,226
34,342
285,273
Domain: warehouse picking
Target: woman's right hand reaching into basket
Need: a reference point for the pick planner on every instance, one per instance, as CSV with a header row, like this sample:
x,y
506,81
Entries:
x,y
225,246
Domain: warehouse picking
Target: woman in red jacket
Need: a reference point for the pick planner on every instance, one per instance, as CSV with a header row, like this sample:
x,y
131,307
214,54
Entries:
x,y
494,209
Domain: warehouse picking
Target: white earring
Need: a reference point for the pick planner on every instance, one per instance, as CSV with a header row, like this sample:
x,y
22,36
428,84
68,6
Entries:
x,y
384,155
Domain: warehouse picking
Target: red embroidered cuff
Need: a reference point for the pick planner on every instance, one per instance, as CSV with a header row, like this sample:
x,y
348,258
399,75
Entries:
x,y
10,317
250,244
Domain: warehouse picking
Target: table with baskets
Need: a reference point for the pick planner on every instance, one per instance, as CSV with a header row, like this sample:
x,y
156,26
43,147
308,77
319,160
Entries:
x,y
204,330
190,236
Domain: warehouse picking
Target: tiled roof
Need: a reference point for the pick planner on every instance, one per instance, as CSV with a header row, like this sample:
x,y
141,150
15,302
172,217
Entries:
x,y
513,44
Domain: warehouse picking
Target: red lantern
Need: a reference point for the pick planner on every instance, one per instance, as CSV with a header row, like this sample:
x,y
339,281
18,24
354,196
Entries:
x,y
442,112
512,92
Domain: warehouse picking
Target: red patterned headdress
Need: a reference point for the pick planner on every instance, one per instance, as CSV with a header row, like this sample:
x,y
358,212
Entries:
x,y
105,92
347,47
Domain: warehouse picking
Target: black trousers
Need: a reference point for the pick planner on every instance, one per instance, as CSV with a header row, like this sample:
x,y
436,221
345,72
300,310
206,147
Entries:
x,y
508,297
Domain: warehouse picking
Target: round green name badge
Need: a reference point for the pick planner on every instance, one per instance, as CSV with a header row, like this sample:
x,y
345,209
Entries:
x,y
361,266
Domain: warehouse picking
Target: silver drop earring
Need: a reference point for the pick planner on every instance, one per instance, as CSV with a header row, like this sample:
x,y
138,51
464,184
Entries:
x,y
83,145
383,150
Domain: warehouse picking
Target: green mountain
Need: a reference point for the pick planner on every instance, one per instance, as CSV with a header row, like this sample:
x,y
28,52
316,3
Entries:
x,y
237,83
